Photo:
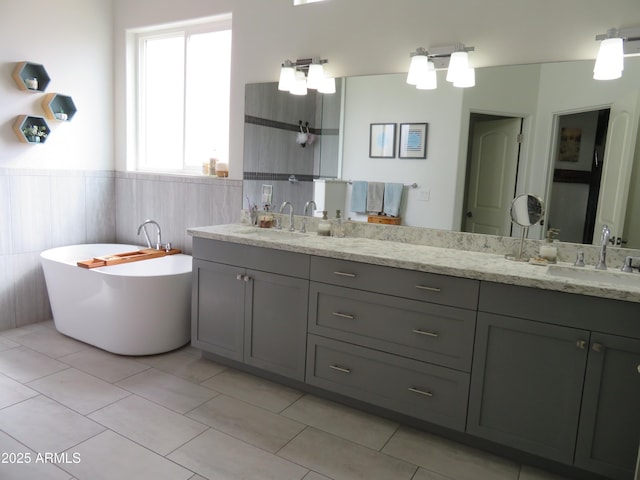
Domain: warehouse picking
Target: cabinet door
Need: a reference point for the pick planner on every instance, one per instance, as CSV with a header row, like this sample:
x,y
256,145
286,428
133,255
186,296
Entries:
x,y
610,419
526,385
276,323
217,324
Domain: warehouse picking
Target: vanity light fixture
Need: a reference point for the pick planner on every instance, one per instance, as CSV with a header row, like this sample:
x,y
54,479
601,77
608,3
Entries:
x,y
296,77
422,70
613,46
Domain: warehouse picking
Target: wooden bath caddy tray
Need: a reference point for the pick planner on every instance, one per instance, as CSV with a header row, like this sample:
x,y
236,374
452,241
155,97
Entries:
x,y
127,257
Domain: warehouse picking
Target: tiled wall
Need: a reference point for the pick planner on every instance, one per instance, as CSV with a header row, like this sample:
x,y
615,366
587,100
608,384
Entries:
x,y
45,209
41,209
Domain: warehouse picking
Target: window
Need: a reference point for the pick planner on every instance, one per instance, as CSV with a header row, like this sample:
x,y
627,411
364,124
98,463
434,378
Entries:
x,y
182,96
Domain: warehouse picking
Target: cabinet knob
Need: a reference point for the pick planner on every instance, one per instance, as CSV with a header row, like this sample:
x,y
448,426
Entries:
x,y
581,344
239,276
244,278
597,347
638,368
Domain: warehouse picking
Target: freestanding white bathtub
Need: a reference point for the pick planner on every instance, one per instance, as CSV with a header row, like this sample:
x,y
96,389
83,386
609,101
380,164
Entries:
x,y
137,308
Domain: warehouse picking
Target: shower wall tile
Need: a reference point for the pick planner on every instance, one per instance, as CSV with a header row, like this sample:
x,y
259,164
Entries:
x,y
30,213
68,210
126,212
100,207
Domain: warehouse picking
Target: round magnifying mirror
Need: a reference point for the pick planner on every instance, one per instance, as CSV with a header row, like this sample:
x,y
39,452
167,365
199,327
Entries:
x,y
527,210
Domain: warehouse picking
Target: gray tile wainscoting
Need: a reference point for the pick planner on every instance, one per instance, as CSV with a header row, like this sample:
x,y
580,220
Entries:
x,y
41,209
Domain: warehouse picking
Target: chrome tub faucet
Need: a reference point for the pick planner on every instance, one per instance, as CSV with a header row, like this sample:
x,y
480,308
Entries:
x,y
143,228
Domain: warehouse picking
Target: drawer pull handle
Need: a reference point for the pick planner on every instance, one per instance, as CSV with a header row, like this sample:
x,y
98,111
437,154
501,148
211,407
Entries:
x,y
429,289
343,315
345,274
422,332
339,369
421,392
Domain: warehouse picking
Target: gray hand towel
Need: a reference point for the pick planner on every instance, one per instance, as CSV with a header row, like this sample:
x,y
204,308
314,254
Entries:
x,y
375,197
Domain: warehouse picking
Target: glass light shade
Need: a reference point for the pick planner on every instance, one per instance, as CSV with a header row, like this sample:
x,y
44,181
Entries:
x,y
417,69
299,85
328,85
466,79
430,80
315,76
287,77
458,64
610,60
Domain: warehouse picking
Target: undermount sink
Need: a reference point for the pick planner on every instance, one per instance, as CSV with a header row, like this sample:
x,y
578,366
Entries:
x,y
271,233
590,274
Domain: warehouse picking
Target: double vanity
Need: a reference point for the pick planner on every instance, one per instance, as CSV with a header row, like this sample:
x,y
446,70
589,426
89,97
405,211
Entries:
x,y
540,363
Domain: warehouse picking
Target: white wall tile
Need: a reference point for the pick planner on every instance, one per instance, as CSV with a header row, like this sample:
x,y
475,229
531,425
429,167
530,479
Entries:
x,y
30,212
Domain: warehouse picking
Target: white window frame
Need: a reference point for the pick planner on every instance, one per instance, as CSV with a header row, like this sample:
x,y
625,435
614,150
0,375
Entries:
x,y
135,82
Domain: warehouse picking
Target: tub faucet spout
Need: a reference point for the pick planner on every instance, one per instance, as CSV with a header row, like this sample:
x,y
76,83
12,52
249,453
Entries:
x,y
143,228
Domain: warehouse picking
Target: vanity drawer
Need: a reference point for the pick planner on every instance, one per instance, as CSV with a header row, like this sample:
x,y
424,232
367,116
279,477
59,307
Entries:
x,y
430,287
423,331
421,390
255,258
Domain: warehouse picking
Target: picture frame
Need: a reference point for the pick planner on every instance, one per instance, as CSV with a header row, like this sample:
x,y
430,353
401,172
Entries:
x,y
382,140
413,140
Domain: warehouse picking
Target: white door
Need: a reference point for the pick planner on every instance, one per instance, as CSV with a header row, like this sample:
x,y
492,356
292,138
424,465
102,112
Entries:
x,y
618,161
492,176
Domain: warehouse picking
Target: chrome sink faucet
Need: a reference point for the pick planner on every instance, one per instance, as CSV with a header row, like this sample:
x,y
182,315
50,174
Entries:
x,y
604,240
143,228
285,204
303,227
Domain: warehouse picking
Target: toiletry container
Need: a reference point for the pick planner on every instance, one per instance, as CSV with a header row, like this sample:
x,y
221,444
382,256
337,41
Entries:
x,y
338,226
324,227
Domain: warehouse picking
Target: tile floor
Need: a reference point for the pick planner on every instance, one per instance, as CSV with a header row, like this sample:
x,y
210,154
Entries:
x,y
71,411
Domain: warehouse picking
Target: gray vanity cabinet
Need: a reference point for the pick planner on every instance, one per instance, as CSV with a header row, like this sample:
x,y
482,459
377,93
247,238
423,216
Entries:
x,y
527,385
558,375
609,432
250,305
393,338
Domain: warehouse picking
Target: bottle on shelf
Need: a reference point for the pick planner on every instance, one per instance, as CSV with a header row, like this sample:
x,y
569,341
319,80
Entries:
x,y
324,227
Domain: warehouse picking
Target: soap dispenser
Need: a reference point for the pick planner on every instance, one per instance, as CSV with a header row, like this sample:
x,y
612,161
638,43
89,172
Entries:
x,y
324,227
547,251
338,226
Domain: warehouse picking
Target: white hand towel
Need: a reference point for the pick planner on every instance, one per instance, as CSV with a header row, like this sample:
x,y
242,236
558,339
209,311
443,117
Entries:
x,y
375,197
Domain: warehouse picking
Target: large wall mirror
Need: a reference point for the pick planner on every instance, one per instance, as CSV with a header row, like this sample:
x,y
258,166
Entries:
x,y
547,128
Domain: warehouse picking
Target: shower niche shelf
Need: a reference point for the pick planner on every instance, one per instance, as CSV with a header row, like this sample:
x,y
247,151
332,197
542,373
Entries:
x,y
58,107
32,130
31,77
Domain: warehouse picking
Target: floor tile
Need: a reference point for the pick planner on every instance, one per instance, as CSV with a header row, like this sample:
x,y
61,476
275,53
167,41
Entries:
x,y
109,456
24,365
13,392
254,390
216,455
49,342
345,422
46,426
448,458
7,343
155,427
315,476
107,366
531,473
22,463
168,390
79,391
424,474
343,460
254,425
185,364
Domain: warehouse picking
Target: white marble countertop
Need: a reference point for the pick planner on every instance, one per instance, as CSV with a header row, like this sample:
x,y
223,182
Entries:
x,y
447,261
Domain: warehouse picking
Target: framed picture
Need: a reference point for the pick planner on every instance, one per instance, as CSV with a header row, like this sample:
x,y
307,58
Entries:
x,y
382,140
413,140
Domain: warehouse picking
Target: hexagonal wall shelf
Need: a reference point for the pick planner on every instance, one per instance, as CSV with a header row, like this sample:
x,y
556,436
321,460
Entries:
x,y
31,77
58,107
31,129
